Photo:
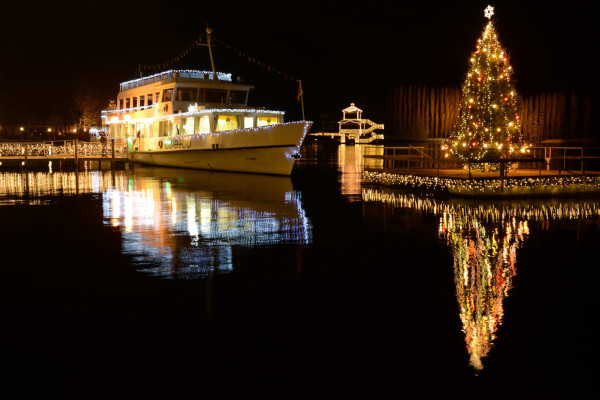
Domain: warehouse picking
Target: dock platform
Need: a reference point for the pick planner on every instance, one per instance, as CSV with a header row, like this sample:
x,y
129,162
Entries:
x,y
461,182
71,151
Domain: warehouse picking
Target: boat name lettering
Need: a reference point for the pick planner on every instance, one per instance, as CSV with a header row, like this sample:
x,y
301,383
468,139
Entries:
x,y
179,143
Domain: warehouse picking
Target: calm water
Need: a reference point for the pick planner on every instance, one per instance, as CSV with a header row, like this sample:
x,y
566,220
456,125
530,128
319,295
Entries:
x,y
156,282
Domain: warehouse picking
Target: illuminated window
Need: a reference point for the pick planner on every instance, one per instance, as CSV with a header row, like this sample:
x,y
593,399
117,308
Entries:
x,y
204,124
188,126
163,128
226,122
248,122
262,121
174,127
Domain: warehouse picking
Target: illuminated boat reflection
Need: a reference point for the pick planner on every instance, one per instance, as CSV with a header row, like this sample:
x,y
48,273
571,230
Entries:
x,y
184,223
484,238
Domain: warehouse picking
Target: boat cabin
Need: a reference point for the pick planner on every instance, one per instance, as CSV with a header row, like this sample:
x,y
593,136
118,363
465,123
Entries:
x,y
184,102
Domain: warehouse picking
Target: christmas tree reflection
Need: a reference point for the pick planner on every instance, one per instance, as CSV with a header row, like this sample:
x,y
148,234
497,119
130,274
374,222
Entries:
x,y
484,267
484,237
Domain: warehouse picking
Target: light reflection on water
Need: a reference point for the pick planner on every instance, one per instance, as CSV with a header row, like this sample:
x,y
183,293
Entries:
x,y
484,237
184,223
178,223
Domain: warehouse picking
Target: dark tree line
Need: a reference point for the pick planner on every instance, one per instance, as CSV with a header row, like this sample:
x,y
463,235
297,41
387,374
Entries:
x,y
422,112
38,101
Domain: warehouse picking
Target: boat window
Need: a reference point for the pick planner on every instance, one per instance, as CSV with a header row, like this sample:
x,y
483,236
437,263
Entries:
x,y
167,95
186,94
163,128
134,102
248,122
121,104
204,124
237,97
127,102
188,126
215,96
174,127
142,100
149,99
227,122
263,121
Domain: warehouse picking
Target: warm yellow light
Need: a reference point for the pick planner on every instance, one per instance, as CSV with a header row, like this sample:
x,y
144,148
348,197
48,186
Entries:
x,y
21,129
114,119
49,129
127,117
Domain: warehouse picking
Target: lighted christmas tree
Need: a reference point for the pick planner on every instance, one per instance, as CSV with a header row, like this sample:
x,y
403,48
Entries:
x,y
489,127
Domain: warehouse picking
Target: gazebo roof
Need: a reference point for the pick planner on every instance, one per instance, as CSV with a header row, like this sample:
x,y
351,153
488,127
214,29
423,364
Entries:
x,y
351,109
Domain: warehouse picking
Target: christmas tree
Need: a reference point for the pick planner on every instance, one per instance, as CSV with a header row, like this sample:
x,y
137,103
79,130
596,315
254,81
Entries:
x,y
489,127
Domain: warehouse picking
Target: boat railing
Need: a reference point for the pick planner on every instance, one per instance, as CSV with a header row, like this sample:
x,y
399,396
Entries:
x,y
206,75
105,113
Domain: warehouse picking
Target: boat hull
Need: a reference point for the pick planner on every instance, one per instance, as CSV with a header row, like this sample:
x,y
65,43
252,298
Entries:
x,y
266,150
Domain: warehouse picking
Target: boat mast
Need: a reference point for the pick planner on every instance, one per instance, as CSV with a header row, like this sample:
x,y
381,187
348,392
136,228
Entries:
x,y
212,61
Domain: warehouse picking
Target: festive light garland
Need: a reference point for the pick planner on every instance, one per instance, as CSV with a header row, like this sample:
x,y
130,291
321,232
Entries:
x,y
489,124
202,41
531,185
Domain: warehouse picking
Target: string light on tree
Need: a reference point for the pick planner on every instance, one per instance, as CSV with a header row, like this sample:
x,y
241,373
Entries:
x,y
489,127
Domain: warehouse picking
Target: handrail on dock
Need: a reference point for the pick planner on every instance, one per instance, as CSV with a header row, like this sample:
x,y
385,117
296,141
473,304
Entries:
x,y
24,152
432,154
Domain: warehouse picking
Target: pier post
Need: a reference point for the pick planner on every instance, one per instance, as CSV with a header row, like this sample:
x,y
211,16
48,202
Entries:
x,y
502,173
76,155
112,152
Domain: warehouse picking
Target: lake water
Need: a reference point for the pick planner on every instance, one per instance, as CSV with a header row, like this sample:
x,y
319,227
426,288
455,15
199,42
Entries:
x,y
154,282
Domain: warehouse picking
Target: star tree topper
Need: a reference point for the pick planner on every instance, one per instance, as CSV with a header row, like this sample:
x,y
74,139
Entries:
x,y
488,12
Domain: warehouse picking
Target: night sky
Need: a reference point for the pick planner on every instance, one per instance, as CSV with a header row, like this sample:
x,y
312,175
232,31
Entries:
x,y
343,53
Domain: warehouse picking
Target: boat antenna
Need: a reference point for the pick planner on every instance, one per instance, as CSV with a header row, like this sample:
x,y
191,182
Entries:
x,y
212,61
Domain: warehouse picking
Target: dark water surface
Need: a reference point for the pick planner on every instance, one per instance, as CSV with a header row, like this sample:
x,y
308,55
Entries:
x,y
156,282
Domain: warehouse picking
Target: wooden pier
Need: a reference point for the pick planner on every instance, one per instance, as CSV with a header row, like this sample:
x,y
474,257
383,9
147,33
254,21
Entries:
x,y
74,152
549,171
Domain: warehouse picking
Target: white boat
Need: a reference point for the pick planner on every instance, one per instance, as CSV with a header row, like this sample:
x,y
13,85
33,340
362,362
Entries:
x,y
201,119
